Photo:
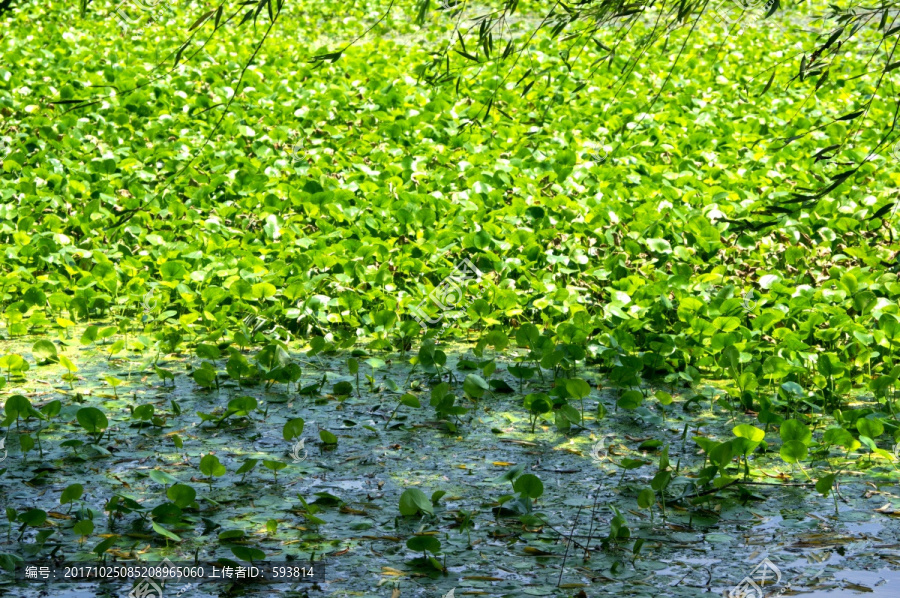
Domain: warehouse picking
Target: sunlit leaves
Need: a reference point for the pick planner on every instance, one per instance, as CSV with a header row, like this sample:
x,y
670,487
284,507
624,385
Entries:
x,y
44,351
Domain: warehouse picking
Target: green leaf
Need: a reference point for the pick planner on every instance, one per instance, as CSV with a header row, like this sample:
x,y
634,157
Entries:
x,y
414,501
242,406
663,397
205,351
8,562
181,494
872,428
424,543
474,386
85,527
722,454
520,372
577,388
410,400
837,436
161,477
205,375
794,430
528,485
659,245
293,428
72,493
33,517
44,351
793,451
342,389
67,363
89,336
247,553
18,406
92,419
247,465
749,432
164,532
825,484
210,466
646,498
274,465
105,545
538,403
631,399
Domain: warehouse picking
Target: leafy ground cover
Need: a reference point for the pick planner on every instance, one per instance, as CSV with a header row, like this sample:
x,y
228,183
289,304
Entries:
x,y
630,395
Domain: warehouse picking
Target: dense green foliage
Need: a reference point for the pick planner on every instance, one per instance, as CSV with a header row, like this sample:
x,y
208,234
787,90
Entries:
x,y
172,283
358,191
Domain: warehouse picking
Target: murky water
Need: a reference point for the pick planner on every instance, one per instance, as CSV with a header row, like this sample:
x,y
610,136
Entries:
x,y
354,487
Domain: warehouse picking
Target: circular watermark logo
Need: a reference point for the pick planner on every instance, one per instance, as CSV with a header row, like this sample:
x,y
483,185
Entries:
x,y
298,451
149,302
5,144
749,300
297,154
599,450
597,155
